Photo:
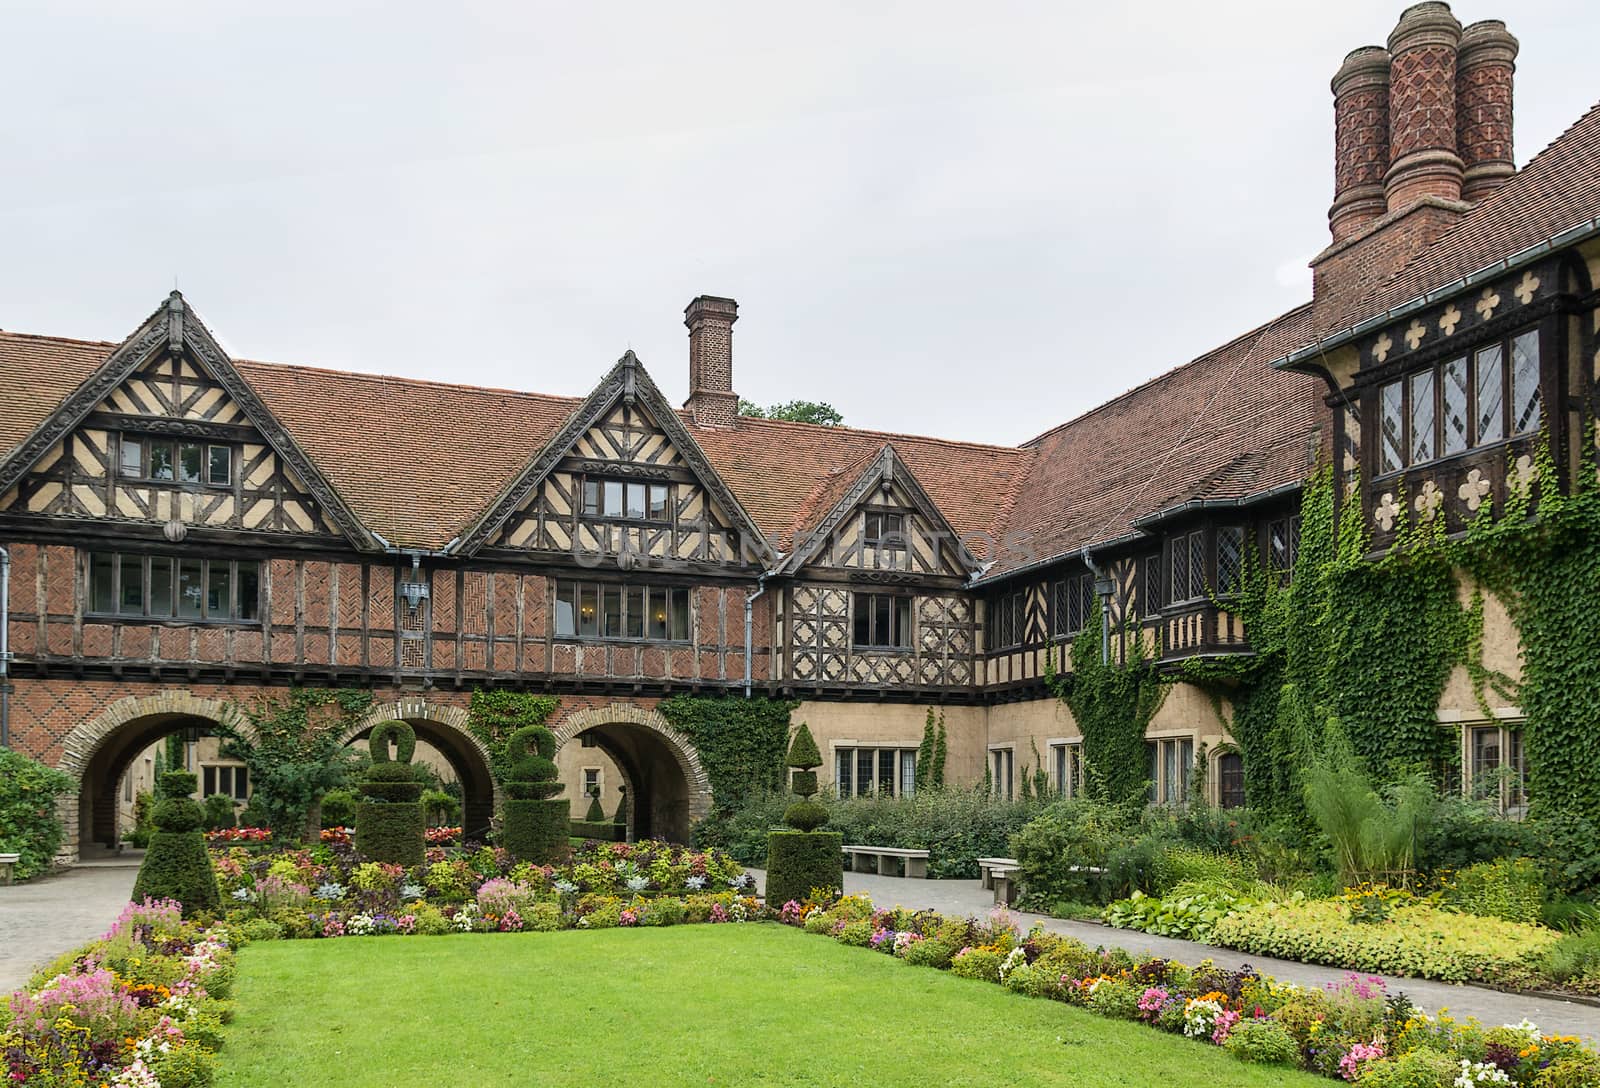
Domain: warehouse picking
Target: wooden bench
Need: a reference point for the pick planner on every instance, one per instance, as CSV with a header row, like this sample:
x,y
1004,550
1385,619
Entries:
x,y
1000,874
915,861
6,863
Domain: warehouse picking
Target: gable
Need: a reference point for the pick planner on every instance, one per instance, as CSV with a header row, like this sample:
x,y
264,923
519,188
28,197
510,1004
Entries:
x,y
624,477
165,432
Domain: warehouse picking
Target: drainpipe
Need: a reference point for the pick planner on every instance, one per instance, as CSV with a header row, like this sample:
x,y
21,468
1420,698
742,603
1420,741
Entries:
x,y
5,648
1103,586
749,606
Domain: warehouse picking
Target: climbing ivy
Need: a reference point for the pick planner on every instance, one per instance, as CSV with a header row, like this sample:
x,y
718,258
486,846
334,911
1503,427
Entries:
x,y
741,742
1112,702
492,716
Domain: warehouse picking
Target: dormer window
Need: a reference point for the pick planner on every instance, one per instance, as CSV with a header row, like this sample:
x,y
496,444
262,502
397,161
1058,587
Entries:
x,y
885,531
626,499
1472,400
162,460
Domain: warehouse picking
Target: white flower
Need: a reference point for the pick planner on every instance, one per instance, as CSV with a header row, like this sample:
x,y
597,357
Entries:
x,y
243,895
412,891
1017,958
695,883
1475,1074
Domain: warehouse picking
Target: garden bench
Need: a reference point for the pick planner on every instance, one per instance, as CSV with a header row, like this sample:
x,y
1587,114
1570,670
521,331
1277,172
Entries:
x,y
1000,874
916,861
6,862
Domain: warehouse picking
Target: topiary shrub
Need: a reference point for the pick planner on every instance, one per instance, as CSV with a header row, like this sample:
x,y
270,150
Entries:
x,y
338,808
176,865
596,814
604,830
534,823
389,823
803,858
620,817
219,811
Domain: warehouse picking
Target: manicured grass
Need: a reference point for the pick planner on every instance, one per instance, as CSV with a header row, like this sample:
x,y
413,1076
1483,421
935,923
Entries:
x,y
728,1004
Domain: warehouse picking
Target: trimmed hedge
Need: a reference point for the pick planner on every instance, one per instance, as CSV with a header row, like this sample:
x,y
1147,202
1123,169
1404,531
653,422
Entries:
x,y
536,830
604,830
798,861
390,831
176,864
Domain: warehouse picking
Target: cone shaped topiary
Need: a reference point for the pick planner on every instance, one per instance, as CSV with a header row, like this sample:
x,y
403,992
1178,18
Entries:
x,y
176,865
596,814
389,818
803,858
535,822
803,753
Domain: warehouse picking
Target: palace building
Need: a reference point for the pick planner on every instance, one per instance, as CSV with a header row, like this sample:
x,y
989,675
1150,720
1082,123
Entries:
x,y
186,529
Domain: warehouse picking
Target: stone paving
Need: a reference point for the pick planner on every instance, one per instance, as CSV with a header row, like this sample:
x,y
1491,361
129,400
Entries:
x,y
968,897
46,917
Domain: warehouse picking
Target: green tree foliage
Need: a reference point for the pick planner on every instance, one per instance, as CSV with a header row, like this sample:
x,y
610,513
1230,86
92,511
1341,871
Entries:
x,y
795,411
493,716
924,770
742,743
940,751
28,822
295,751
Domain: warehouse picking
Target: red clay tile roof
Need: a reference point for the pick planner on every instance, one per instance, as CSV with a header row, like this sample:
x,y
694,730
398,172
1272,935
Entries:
x,y
36,374
1193,432
1557,190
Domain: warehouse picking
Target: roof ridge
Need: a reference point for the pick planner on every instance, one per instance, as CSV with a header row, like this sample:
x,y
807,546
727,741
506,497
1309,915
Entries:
x,y
1256,332
12,333
888,436
369,376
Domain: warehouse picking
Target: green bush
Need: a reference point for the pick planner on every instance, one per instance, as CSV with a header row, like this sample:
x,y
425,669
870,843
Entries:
x,y
798,861
982,964
390,831
1060,849
604,830
1264,1042
932,952
219,812
1577,1071
176,866
1116,999
431,921
805,815
1177,864
28,822
1417,940
1573,957
1190,911
440,808
535,829
261,929
1509,888
1420,1068
190,1066
338,808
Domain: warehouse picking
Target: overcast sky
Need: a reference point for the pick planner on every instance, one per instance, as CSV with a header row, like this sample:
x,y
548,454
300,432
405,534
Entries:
x,y
973,220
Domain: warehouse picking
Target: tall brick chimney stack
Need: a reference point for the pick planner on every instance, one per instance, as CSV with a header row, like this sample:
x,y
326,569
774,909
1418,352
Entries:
x,y
1423,159
1485,61
712,401
1361,141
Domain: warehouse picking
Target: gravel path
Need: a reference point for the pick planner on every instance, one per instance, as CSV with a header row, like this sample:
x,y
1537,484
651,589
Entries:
x,y
968,897
46,917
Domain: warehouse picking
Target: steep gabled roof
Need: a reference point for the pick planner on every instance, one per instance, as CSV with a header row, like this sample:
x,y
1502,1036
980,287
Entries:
x,y
1164,442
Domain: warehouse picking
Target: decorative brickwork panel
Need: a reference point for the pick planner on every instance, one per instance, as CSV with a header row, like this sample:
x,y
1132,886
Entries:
x,y
1422,100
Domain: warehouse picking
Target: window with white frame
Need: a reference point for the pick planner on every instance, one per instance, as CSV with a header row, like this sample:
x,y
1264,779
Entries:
x,y
1066,763
591,781
1171,761
228,779
1003,772
1496,770
862,771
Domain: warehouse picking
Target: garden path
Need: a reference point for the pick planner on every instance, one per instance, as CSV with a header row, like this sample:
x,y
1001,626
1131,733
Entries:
x,y
968,897
46,917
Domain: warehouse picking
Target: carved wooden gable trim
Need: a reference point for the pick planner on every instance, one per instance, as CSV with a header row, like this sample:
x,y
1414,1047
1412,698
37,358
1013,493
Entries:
x,y
840,539
170,379
624,430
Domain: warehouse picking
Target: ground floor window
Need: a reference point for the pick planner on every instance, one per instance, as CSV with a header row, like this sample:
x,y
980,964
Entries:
x,y
1230,780
1171,760
230,780
1066,761
1002,771
888,772
1496,771
591,781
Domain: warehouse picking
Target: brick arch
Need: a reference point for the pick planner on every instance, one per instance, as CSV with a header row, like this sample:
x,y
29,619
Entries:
x,y
627,714
450,724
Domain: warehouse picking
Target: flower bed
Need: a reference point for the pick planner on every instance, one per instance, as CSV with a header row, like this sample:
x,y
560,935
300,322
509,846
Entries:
x,y
141,1007
1354,1030
239,834
328,891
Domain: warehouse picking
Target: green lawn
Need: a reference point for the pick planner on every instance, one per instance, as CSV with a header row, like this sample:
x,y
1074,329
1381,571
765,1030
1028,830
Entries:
x,y
729,1004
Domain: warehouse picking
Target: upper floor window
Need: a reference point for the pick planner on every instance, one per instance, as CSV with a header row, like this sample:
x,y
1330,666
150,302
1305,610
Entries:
x,y
141,457
165,587
1472,400
1071,604
885,531
639,613
1150,596
1283,544
1186,561
1230,558
1009,622
626,499
882,621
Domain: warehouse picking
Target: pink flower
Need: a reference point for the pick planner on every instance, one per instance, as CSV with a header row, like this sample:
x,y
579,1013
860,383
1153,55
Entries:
x,y
1225,1021
1151,1000
1350,1064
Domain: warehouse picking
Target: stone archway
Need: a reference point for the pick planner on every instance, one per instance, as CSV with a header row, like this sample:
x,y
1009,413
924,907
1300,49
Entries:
x,y
668,788
96,753
447,729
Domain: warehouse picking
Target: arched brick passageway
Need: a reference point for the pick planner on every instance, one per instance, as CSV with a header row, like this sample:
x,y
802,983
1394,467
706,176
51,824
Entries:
x,y
445,727
667,787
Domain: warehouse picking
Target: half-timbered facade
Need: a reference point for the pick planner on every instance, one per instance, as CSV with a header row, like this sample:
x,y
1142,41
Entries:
x,y
185,528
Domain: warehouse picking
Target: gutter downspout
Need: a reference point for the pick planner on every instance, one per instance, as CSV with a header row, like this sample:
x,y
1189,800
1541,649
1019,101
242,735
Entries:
x,y
1102,588
749,606
5,648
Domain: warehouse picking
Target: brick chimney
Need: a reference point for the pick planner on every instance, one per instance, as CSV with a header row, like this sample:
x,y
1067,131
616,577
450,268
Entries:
x,y
1360,142
1485,60
712,401
1422,107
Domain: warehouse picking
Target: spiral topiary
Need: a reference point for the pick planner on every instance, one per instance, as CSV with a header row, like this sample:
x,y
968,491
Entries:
x,y
535,822
389,818
176,865
803,858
